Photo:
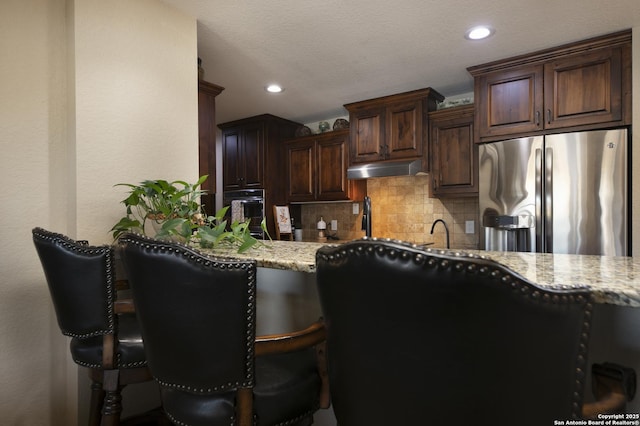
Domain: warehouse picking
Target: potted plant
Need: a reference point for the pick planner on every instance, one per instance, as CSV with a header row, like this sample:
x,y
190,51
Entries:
x,y
172,210
169,208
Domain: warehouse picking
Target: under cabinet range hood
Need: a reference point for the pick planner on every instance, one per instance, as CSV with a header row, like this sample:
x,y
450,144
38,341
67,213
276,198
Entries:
x,y
385,168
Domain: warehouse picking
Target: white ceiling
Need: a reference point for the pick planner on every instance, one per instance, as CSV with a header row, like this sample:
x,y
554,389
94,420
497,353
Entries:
x,y
328,53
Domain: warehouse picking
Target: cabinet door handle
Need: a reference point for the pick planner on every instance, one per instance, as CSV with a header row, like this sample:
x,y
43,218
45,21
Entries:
x,y
537,118
384,151
548,116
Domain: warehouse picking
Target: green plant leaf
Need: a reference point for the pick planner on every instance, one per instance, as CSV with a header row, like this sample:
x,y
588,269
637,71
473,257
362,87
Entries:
x,y
125,224
201,180
246,245
263,225
221,213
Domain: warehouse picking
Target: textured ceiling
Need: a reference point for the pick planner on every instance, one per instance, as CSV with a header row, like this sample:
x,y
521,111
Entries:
x,y
328,53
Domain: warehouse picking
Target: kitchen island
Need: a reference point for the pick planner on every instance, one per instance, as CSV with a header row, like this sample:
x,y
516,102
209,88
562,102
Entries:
x,y
613,280
287,296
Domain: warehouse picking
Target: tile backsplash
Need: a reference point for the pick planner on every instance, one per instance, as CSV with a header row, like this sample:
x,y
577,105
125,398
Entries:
x,y
401,209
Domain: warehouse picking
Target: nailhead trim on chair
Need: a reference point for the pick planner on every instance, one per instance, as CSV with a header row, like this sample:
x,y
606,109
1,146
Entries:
x,y
210,261
430,259
85,364
223,388
87,250
131,364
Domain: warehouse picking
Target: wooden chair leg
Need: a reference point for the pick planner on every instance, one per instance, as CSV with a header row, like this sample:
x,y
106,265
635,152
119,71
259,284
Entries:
x,y
113,399
244,407
97,400
321,357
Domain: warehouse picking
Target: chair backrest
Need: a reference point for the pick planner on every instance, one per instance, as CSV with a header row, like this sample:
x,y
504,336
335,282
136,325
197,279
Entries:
x,y
196,313
81,281
424,337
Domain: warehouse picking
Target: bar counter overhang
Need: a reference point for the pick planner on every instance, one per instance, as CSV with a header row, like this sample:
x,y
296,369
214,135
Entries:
x,y
613,280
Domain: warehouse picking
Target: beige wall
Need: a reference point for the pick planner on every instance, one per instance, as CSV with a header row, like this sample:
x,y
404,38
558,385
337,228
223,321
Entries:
x,y
31,123
93,93
136,103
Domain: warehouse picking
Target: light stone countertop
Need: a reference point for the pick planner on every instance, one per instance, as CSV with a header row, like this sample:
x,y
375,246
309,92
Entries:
x,y
288,255
614,280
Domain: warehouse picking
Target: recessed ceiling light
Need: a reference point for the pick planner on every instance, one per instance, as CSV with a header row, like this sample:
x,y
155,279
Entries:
x,y
479,32
273,88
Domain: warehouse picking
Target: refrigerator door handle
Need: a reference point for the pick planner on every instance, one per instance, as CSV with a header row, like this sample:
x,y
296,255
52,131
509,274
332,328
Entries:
x,y
539,228
548,201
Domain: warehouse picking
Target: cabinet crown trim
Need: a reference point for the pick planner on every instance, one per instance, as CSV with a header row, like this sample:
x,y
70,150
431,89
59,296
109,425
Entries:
x,y
210,88
608,40
399,97
453,112
262,118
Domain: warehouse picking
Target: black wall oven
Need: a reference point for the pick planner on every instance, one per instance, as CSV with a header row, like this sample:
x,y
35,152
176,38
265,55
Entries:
x,y
246,204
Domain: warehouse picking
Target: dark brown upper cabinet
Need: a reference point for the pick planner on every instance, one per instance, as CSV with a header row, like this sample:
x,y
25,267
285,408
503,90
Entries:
x,y
391,127
454,155
251,152
577,86
317,169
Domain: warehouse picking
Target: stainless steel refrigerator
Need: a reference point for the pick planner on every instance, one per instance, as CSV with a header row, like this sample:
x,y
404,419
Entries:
x,y
563,193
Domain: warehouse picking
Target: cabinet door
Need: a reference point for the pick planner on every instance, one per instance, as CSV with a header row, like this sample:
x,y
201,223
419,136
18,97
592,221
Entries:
x,y
243,157
454,154
231,157
300,156
404,130
367,130
332,165
584,89
317,169
253,156
510,101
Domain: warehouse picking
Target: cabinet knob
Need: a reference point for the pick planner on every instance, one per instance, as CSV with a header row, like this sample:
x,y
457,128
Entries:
x,y
384,151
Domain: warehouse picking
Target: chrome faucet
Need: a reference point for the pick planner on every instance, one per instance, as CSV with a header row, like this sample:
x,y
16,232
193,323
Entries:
x,y
446,228
366,216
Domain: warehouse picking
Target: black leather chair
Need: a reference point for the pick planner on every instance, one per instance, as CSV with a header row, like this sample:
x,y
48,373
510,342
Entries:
x,y
105,337
420,337
198,319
